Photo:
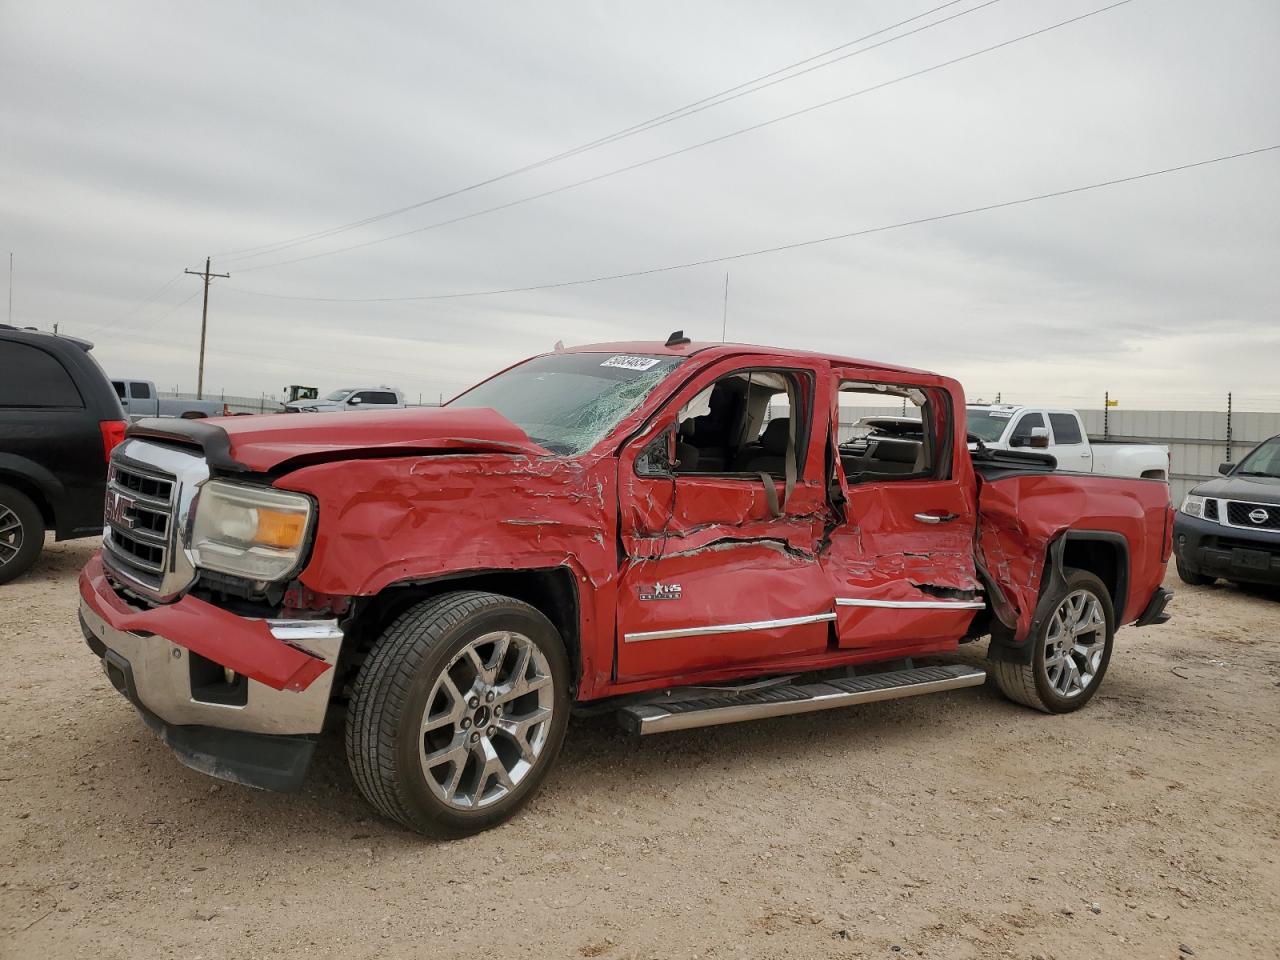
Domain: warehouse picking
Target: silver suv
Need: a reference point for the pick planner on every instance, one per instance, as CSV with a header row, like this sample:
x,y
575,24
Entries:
x,y
350,399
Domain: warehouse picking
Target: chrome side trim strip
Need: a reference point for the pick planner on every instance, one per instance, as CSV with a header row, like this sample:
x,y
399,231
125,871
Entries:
x,y
727,628
911,604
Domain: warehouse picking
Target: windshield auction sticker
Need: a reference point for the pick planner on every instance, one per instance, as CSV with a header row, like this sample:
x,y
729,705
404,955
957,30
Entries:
x,y
631,363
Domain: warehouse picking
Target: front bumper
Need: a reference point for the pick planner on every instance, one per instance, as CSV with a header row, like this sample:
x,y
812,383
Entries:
x,y
1233,553
236,698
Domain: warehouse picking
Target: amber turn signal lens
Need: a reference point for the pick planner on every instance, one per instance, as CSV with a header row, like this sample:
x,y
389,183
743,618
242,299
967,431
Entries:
x,y
279,529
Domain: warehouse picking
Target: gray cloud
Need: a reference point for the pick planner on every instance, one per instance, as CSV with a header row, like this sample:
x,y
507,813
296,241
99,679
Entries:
x,y
140,137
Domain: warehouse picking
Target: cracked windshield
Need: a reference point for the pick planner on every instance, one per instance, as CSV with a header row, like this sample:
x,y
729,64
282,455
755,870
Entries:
x,y
568,402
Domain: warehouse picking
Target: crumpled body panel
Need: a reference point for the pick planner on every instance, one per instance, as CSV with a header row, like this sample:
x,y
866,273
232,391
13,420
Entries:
x,y
1022,515
264,443
406,519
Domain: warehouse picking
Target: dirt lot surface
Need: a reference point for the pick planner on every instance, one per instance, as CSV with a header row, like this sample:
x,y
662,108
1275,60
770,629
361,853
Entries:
x,y
957,825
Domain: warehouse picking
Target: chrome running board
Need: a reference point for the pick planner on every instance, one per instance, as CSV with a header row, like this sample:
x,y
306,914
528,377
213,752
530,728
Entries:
x,y
661,716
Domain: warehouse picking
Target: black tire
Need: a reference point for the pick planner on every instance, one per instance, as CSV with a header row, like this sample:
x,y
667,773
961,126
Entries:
x,y
24,530
1191,578
390,701
1030,684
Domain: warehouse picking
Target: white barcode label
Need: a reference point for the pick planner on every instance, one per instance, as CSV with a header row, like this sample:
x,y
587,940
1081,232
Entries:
x,y
631,363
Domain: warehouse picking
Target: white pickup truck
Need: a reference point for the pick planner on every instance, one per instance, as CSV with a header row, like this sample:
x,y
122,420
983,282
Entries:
x,y
141,399
1006,426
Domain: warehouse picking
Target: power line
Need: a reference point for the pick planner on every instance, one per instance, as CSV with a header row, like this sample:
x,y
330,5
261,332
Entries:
x,y
696,146
781,247
136,307
715,99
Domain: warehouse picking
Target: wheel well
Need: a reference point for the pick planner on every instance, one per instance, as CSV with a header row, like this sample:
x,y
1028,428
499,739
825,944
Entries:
x,y
551,591
1106,556
24,485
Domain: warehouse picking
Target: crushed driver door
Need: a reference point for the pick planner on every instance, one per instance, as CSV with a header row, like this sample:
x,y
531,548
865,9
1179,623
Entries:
x,y
717,573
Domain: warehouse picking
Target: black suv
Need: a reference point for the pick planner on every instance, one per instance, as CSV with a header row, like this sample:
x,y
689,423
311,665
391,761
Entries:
x,y
1230,528
59,419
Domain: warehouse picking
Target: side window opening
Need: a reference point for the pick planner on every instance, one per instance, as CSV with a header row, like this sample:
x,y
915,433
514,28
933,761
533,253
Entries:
x,y
1065,428
119,388
888,432
742,425
35,378
140,391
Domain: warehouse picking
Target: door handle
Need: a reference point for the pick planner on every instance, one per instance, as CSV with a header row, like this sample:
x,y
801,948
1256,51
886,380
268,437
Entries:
x,y
935,517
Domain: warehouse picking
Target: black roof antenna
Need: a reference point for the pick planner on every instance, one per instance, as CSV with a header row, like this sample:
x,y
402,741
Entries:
x,y
677,339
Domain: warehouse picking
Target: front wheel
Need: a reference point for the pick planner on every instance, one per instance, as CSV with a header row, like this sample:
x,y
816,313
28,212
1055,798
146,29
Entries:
x,y
1191,577
458,713
1070,650
21,533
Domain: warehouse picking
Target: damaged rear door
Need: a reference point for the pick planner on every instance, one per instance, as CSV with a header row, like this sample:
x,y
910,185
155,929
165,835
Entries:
x,y
721,512
901,560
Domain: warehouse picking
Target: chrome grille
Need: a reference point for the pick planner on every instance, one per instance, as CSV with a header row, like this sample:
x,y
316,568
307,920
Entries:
x,y
139,518
1211,509
151,488
1258,516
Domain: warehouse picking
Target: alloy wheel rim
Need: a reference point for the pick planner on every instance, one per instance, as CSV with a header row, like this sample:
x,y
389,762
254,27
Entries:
x,y
1076,640
10,535
487,720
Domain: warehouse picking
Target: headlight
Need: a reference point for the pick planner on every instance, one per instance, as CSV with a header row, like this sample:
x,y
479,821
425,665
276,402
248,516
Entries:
x,y
1193,506
253,532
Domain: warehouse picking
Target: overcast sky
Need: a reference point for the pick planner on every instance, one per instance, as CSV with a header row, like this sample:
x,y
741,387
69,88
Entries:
x,y
136,138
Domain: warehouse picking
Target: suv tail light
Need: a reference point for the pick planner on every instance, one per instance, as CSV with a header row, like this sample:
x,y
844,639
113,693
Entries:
x,y
226,411
112,435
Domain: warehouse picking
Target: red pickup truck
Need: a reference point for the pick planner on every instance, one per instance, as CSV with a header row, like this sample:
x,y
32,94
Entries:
x,y
672,531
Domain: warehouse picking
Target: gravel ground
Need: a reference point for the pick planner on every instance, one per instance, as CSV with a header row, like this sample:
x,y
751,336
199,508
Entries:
x,y
956,825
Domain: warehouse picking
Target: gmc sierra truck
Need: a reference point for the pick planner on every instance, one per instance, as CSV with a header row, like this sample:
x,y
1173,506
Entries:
x,y
622,527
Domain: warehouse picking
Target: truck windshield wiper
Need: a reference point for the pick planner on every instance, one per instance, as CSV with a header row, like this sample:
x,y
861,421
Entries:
x,y
1256,473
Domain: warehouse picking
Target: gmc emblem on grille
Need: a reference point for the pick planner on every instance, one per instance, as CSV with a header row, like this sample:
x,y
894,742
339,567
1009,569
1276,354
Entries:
x,y
1258,516
117,510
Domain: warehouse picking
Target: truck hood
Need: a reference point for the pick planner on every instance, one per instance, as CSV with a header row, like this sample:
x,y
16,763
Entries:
x,y
270,441
1251,489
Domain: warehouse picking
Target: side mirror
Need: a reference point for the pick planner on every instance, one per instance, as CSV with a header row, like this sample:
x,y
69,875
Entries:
x,y
1039,438
659,456
1226,467
354,400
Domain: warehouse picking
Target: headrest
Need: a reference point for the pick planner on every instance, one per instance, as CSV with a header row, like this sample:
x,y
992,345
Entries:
x,y
686,428
896,451
774,438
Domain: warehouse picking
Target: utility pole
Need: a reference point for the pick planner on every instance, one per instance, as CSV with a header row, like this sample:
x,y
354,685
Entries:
x,y
204,320
724,320
10,288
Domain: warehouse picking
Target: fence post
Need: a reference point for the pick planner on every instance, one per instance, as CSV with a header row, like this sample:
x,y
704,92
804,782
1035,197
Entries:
x,y
1228,426
1106,415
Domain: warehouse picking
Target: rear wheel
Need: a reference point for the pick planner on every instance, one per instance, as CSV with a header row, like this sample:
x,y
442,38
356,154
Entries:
x,y
458,713
21,533
1070,650
1192,578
